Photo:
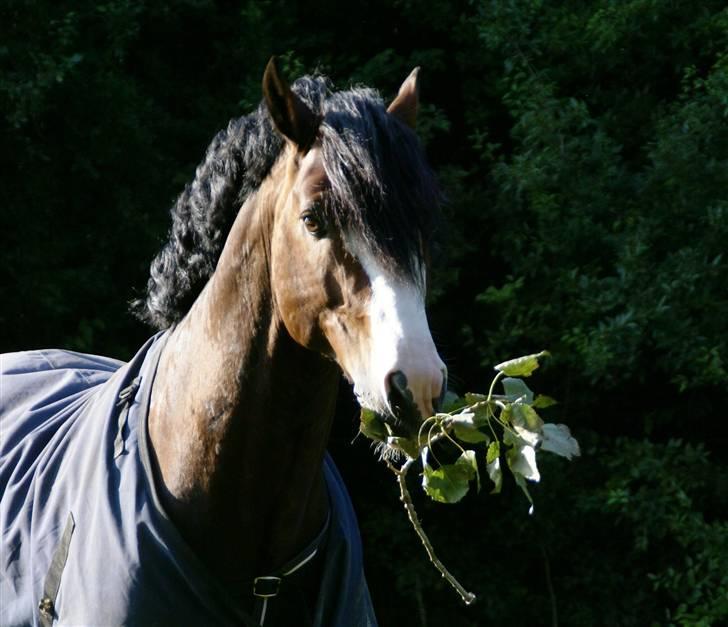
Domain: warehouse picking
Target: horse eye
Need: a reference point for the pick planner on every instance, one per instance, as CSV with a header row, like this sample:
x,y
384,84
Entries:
x,y
313,223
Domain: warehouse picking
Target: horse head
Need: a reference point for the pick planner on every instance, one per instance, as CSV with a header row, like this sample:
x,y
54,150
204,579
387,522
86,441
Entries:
x,y
349,243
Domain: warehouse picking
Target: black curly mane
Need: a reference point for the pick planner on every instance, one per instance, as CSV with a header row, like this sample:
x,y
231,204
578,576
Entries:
x,y
381,188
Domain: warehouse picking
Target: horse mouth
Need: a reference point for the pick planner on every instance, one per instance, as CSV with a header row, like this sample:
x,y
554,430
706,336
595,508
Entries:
x,y
404,417
400,419
404,422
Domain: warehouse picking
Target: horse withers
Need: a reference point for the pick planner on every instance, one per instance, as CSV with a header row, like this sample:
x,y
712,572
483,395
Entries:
x,y
192,485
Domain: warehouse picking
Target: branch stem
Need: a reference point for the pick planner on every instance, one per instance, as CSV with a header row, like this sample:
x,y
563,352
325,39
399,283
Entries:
x,y
401,475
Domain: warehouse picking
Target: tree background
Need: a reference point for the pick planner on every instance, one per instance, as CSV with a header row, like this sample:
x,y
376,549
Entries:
x,y
583,147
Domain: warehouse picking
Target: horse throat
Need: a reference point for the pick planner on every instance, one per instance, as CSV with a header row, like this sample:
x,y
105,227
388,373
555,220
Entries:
x,y
239,420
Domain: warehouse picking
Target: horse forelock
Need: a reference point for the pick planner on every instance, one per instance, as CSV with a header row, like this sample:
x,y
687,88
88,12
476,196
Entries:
x,y
381,189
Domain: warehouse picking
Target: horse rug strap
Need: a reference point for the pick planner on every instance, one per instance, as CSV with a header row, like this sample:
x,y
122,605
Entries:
x,y
126,398
46,606
269,586
85,539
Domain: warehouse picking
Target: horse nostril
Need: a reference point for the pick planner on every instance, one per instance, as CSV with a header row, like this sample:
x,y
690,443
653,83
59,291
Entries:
x,y
400,398
396,382
398,392
437,402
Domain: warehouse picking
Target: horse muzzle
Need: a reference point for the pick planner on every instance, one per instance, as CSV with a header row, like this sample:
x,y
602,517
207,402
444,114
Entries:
x,y
410,404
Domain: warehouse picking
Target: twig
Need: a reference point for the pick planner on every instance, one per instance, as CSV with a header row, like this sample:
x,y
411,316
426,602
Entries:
x,y
401,475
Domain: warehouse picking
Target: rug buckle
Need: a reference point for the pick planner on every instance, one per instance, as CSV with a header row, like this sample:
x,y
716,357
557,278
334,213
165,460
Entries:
x,y
266,587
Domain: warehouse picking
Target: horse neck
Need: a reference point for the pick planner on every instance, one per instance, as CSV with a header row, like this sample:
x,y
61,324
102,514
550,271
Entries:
x,y
240,418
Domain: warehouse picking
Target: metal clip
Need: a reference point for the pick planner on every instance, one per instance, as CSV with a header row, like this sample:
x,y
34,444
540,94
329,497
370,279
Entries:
x,y
266,587
47,611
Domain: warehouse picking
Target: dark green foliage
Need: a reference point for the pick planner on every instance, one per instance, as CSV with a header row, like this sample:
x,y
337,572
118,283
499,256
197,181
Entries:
x,y
584,150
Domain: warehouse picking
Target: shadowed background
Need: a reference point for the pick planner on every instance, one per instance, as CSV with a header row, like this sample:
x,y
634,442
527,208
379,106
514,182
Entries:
x,y
584,151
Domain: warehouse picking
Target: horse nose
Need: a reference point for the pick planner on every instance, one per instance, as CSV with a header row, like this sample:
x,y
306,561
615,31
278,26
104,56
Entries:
x,y
416,396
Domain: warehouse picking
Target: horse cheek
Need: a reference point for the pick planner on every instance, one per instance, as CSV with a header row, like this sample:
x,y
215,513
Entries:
x,y
298,300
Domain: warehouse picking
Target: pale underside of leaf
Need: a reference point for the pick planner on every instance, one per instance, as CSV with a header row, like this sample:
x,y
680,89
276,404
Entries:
x,y
517,390
522,461
496,474
558,439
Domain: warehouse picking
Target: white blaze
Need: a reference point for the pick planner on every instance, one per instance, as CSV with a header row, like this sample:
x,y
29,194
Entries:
x,y
400,340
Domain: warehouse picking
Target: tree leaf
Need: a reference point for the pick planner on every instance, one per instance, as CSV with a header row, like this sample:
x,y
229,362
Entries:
x,y
521,366
558,439
521,482
452,402
531,438
496,475
493,466
409,447
372,426
464,419
516,389
468,457
525,416
472,397
466,430
482,415
493,452
542,401
471,435
450,482
522,461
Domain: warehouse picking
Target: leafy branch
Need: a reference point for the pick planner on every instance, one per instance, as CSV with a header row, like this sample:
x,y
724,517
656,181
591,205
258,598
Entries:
x,y
472,425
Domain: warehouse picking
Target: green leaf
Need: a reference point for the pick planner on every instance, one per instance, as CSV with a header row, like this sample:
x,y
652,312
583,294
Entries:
x,y
450,482
516,389
521,366
525,416
482,411
558,439
471,435
471,398
371,426
493,452
494,467
469,458
482,415
407,446
496,475
506,415
452,402
466,429
542,401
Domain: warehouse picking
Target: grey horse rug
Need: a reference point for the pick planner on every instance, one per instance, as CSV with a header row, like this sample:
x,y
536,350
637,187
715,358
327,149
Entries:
x,y
85,540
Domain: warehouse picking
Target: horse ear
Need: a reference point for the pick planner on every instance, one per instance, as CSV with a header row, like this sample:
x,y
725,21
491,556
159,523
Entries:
x,y
404,106
290,114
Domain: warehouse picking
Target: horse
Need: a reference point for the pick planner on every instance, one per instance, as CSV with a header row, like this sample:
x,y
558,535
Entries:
x,y
191,485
